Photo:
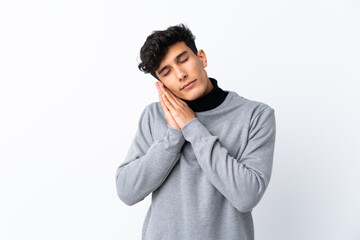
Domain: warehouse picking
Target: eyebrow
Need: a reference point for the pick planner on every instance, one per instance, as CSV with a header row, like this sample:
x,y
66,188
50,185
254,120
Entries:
x,y
177,57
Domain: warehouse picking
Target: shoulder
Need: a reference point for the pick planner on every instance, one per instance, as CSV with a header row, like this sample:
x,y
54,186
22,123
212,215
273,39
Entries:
x,y
151,112
253,107
152,108
259,115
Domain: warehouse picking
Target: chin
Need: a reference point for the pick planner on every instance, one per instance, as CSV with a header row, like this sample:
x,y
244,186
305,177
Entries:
x,y
190,99
186,98
193,96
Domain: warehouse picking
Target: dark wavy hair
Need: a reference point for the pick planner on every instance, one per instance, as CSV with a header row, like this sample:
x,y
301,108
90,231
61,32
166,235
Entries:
x,y
157,44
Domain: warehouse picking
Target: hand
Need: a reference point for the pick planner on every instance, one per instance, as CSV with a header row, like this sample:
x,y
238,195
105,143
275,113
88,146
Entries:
x,y
180,112
169,119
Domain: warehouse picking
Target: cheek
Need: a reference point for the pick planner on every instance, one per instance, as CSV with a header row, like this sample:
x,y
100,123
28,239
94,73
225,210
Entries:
x,y
197,67
173,89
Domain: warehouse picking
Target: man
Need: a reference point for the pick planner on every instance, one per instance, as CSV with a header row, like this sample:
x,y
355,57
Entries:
x,y
205,154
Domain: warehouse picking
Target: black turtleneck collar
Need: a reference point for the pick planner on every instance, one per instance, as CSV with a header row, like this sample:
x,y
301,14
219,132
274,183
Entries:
x,y
211,100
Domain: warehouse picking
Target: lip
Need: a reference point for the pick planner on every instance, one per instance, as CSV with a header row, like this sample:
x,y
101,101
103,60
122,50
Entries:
x,y
189,85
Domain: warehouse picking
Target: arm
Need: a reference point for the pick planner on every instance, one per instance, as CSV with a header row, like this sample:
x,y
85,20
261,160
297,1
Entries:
x,y
148,162
242,181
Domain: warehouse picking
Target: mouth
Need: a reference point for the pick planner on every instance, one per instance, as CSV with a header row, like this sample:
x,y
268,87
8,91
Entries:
x,y
188,84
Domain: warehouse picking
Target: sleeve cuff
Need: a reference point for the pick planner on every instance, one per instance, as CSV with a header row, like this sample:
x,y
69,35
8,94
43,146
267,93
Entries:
x,y
194,131
173,140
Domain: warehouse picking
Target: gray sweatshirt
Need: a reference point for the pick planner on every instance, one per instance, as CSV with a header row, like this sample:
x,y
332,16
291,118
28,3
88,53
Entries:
x,y
206,178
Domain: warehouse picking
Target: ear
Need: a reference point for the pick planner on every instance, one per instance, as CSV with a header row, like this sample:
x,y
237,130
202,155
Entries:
x,y
202,56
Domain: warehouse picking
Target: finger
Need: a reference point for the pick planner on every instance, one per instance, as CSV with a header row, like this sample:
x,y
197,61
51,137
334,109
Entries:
x,y
166,94
158,88
163,106
178,100
163,93
170,96
173,97
168,104
181,101
160,96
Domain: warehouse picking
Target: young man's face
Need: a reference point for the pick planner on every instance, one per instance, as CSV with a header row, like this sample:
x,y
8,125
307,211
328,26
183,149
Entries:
x,y
179,67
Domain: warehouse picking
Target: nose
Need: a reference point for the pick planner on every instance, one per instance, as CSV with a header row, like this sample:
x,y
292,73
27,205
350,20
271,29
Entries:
x,y
180,73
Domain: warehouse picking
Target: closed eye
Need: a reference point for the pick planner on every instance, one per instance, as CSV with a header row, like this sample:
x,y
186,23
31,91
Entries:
x,y
184,60
180,62
166,73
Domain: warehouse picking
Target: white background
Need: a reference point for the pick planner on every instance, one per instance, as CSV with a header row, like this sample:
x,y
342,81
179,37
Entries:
x,y
71,96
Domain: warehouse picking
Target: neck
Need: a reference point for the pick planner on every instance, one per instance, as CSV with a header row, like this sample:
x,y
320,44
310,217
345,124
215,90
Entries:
x,y
209,101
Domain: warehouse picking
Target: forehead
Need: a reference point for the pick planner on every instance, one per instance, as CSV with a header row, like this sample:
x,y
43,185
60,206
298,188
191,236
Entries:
x,y
173,51
178,46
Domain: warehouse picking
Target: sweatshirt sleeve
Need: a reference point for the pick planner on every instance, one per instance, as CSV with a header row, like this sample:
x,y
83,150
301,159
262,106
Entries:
x,y
148,162
242,181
